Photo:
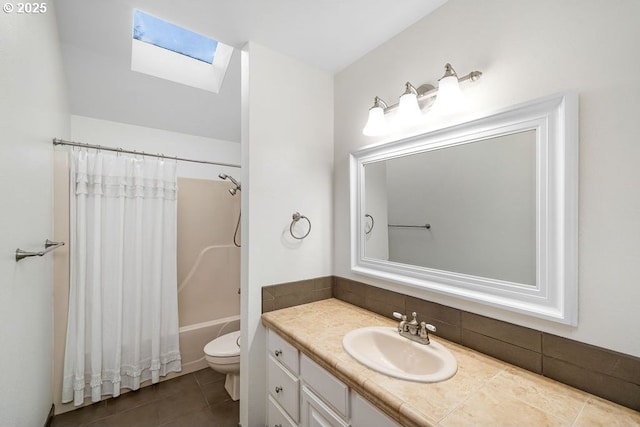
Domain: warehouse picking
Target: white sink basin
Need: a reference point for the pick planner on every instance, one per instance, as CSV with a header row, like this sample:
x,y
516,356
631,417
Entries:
x,y
384,350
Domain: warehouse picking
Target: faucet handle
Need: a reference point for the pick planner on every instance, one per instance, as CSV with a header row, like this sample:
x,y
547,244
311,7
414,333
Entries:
x,y
402,317
402,326
423,331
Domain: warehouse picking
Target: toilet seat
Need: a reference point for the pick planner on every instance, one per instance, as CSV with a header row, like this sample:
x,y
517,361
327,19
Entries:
x,y
224,347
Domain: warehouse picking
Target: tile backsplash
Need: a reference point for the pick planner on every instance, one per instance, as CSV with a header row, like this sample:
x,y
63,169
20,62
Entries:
x,y
295,293
605,373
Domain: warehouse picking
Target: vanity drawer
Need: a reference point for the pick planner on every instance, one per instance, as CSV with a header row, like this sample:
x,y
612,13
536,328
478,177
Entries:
x,y
283,387
276,416
331,389
283,352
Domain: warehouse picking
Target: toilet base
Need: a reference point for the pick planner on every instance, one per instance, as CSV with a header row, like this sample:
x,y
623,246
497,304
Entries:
x,y
232,385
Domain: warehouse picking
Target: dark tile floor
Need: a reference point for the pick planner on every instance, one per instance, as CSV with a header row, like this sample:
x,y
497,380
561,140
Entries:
x,y
193,400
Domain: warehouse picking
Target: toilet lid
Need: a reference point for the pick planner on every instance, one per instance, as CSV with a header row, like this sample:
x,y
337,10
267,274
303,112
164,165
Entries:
x,y
227,345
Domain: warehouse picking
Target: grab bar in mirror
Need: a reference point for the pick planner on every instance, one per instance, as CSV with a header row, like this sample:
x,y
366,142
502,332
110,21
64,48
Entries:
x,y
426,226
48,247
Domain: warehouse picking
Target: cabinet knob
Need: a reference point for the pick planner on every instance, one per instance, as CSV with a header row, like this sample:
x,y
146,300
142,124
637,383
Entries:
x,y
278,389
278,353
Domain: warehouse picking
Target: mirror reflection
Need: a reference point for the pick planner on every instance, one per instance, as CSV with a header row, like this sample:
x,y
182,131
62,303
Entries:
x,y
467,208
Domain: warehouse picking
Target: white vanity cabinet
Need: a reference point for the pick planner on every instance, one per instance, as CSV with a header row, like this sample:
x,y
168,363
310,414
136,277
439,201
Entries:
x,y
302,393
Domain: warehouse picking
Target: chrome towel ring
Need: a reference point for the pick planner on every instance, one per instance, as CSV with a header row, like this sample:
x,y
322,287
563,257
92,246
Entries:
x,y
297,217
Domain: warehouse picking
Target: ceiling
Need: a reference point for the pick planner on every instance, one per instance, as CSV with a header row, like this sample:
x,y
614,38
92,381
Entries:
x,y
96,47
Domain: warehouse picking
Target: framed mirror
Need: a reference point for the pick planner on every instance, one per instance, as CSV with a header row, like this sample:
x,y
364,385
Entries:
x,y
485,210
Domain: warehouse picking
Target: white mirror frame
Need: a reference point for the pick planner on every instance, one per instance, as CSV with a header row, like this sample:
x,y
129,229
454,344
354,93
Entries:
x,y
555,294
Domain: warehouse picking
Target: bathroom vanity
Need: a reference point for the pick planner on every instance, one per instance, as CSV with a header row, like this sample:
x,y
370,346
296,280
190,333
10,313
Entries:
x,y
311,380
301,392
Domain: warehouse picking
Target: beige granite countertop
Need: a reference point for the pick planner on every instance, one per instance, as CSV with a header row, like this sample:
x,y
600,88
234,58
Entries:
x,y
484,391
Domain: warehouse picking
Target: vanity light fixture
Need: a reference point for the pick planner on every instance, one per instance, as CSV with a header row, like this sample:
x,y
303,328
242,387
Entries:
x,y
448,96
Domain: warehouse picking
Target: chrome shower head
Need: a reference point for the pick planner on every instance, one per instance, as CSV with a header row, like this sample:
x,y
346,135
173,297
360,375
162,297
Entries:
x,y
230,178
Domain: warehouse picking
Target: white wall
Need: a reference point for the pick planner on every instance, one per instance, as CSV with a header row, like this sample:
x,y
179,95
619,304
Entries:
x,y
287,150
157,141
33,109
528,49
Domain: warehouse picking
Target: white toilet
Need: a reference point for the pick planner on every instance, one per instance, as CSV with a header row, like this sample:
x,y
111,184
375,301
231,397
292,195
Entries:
x,y
223,355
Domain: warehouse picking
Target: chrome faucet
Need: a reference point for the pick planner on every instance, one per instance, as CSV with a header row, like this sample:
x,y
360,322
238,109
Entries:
x,y
418,332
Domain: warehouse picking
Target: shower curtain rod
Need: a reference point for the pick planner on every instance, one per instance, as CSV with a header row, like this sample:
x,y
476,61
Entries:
x,y
58,141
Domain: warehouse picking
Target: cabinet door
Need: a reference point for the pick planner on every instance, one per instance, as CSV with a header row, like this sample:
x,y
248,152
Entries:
x,y
315,413
364,414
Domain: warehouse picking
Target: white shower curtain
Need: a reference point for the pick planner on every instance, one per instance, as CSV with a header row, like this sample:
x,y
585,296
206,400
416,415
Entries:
x,y
123,308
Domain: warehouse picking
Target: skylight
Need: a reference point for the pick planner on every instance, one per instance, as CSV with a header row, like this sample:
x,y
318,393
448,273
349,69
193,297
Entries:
x,y
166,35
167,51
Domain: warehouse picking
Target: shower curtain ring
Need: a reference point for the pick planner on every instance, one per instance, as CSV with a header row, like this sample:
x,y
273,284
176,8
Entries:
x,y
297,217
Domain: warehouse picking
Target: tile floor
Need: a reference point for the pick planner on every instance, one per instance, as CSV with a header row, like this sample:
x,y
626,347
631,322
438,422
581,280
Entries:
x,y
193,400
